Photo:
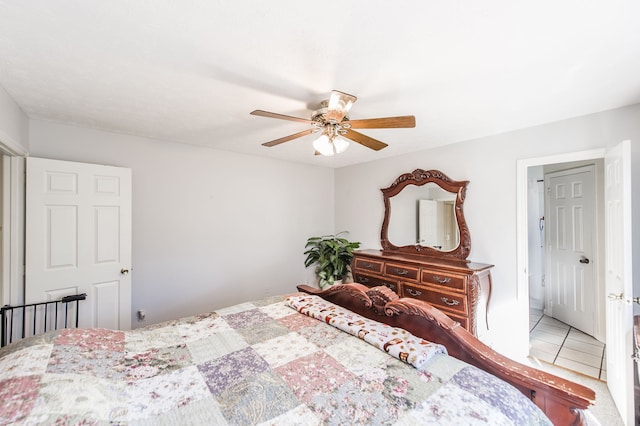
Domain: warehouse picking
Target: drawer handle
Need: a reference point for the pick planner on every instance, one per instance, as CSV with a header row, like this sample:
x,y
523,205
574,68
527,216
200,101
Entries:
x,y
441,280
450,302
414,292
363,280
401,271
391,286
368,265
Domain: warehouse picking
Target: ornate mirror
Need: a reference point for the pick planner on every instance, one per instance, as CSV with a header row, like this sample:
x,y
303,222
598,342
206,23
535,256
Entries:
x,y
423,215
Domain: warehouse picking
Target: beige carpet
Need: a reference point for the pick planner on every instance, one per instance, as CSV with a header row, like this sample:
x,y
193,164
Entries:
x,y
603,412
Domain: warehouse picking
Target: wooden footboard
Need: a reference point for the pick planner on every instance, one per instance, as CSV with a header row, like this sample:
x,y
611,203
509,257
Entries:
x,y
561,400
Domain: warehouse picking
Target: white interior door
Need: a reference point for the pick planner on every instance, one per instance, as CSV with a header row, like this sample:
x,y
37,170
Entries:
x,y
618,278
571,227
428,223
78,238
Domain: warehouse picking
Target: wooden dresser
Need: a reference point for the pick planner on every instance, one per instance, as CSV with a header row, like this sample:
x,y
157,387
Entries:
x,y
459,288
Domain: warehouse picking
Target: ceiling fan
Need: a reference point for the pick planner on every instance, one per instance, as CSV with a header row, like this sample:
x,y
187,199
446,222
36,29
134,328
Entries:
x,y
332,121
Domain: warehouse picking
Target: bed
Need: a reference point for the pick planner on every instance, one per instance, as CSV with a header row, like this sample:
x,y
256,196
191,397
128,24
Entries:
x,y
347,355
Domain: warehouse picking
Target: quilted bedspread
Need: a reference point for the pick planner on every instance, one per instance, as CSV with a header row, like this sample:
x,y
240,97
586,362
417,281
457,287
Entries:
x,y
281,361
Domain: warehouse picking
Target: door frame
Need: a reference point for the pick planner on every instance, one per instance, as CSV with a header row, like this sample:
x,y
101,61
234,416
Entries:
x,y
522,235
12,212
12,220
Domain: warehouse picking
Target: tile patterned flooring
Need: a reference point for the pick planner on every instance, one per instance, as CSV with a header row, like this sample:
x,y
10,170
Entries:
x,y
557,343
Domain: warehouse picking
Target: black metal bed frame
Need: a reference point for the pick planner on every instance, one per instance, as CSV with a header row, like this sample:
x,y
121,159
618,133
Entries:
x,y
49,308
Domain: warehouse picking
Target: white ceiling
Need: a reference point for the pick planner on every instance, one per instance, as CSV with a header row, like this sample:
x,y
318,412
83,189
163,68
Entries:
x,y
191,71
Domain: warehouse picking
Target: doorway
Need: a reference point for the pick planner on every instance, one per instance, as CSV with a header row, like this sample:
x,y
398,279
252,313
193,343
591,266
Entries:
x,y
522,223
565,255
617,285
582,242
571,246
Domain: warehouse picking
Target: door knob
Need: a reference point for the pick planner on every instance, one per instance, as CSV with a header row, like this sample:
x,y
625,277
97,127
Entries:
x,y
584,260
124,271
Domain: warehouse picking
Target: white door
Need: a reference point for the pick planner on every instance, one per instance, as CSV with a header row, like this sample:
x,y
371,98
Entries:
x,y
78,238
428,223
618,279
571,226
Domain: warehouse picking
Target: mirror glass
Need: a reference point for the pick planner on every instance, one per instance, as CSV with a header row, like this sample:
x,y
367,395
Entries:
x,y
424,215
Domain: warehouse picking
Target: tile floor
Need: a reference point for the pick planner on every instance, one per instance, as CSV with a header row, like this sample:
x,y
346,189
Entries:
x,y
557,343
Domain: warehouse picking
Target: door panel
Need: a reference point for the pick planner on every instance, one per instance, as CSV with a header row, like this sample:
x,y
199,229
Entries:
x,y
61,239
618,279
107,235
78,238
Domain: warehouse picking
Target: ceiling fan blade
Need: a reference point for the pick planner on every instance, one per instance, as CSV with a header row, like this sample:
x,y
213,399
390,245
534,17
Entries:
x,y
404,121
288,138
365,140
339,105
268,114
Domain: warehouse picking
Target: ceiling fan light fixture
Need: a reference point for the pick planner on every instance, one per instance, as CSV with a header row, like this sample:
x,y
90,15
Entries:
x,y
340,144
329,146
339,105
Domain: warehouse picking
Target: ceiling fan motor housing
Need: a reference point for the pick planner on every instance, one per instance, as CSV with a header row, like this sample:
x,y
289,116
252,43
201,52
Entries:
x,y
320,122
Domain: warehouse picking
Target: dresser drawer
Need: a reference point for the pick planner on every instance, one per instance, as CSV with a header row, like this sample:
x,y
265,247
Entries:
x,y
444,283
453,282
369,265
404,272
373,281
441,300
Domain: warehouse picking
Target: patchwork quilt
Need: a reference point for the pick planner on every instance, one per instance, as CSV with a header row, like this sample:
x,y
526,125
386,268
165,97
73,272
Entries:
x,y
281,361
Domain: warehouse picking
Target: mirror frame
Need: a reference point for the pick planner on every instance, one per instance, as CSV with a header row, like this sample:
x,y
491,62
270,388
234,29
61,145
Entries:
x,y
421,177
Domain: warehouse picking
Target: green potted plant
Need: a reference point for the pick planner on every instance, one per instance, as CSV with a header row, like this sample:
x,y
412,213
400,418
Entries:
x,y
332,255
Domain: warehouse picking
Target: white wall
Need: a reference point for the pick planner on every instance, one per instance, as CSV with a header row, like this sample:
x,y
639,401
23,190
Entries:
x,y
210,228
490,207
213,206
